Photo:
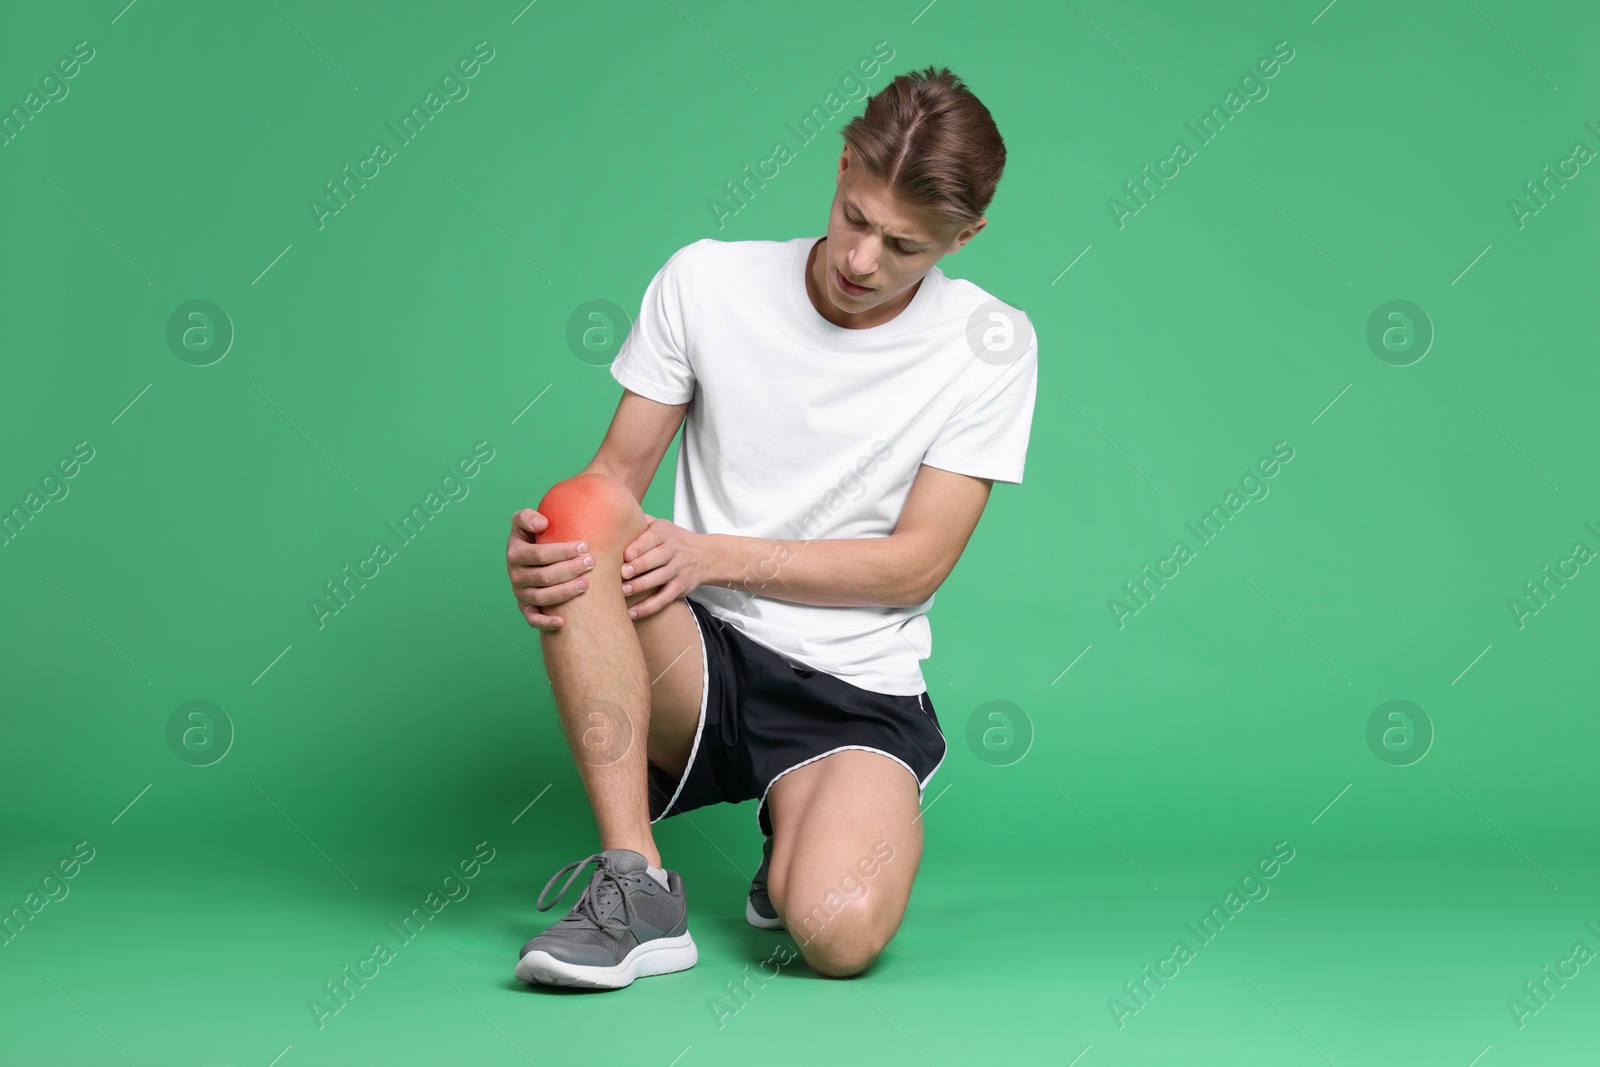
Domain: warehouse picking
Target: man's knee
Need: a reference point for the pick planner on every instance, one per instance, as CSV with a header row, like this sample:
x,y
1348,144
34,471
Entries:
x,y
837,944
592,507
839,935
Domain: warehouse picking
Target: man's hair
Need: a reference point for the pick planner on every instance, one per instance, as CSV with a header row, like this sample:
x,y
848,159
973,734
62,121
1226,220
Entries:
x,y
932,142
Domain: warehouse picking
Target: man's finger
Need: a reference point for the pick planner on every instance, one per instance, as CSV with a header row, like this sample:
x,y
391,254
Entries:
x,y
528,522
540,621
529,555
650,605
640,545
648,580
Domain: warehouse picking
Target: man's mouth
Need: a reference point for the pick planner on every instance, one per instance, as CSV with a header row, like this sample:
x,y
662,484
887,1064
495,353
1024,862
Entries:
x,y
848,286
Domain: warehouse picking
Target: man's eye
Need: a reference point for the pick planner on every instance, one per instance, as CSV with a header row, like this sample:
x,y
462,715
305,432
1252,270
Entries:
x,y
901,249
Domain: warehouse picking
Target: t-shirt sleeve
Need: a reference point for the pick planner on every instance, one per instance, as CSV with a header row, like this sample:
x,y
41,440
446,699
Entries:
x,y
654,358
988,436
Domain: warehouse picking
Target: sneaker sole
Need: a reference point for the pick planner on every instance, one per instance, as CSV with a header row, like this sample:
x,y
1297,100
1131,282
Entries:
x,y
663,955
759,921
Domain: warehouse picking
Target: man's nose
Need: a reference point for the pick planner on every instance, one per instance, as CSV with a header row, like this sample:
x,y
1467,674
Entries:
x,y
863,260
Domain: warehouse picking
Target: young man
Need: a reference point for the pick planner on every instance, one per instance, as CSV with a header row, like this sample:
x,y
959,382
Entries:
x,y
848,408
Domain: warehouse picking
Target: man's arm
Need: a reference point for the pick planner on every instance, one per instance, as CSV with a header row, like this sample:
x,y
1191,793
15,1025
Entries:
x,y
901,570
640,432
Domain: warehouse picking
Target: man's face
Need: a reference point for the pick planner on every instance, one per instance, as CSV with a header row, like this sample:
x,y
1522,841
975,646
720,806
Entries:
x,y
879,242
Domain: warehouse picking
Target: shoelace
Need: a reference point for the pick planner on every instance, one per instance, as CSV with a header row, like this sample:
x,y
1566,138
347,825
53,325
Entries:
x,y
589,903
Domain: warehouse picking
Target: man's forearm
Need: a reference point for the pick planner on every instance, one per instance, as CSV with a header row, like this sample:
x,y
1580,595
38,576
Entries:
x,y
829,572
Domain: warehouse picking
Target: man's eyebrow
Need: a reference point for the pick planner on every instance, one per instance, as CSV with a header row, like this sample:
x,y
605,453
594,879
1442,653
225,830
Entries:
x,y
853,206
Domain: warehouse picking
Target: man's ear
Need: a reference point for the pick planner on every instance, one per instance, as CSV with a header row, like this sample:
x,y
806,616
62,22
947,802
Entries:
x,y
967,233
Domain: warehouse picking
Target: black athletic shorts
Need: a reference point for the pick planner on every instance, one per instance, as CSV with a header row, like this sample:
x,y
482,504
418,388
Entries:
x,y
762,716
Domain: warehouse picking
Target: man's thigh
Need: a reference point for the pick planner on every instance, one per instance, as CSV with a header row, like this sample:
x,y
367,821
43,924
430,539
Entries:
x,y
847,841
670,640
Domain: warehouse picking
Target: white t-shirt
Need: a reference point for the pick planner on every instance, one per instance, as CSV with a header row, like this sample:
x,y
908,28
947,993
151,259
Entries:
x,y
799,429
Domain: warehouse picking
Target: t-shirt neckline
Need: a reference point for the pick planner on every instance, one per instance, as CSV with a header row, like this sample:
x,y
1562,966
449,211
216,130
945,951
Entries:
x,y
801,300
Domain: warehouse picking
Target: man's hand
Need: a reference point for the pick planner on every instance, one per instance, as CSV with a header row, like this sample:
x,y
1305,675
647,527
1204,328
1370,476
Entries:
x,y
543,575
667,558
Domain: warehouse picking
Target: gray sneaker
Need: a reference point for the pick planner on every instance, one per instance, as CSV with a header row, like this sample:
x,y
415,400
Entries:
x,y
625,925
758,909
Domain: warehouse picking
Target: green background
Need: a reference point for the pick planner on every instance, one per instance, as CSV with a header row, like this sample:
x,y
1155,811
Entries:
x,y
372,754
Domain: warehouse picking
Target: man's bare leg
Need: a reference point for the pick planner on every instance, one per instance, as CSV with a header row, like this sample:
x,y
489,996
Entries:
x,y
601,665
847,842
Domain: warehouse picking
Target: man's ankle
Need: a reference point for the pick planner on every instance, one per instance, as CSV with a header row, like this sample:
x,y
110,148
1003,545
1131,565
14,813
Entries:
x,y
646,848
